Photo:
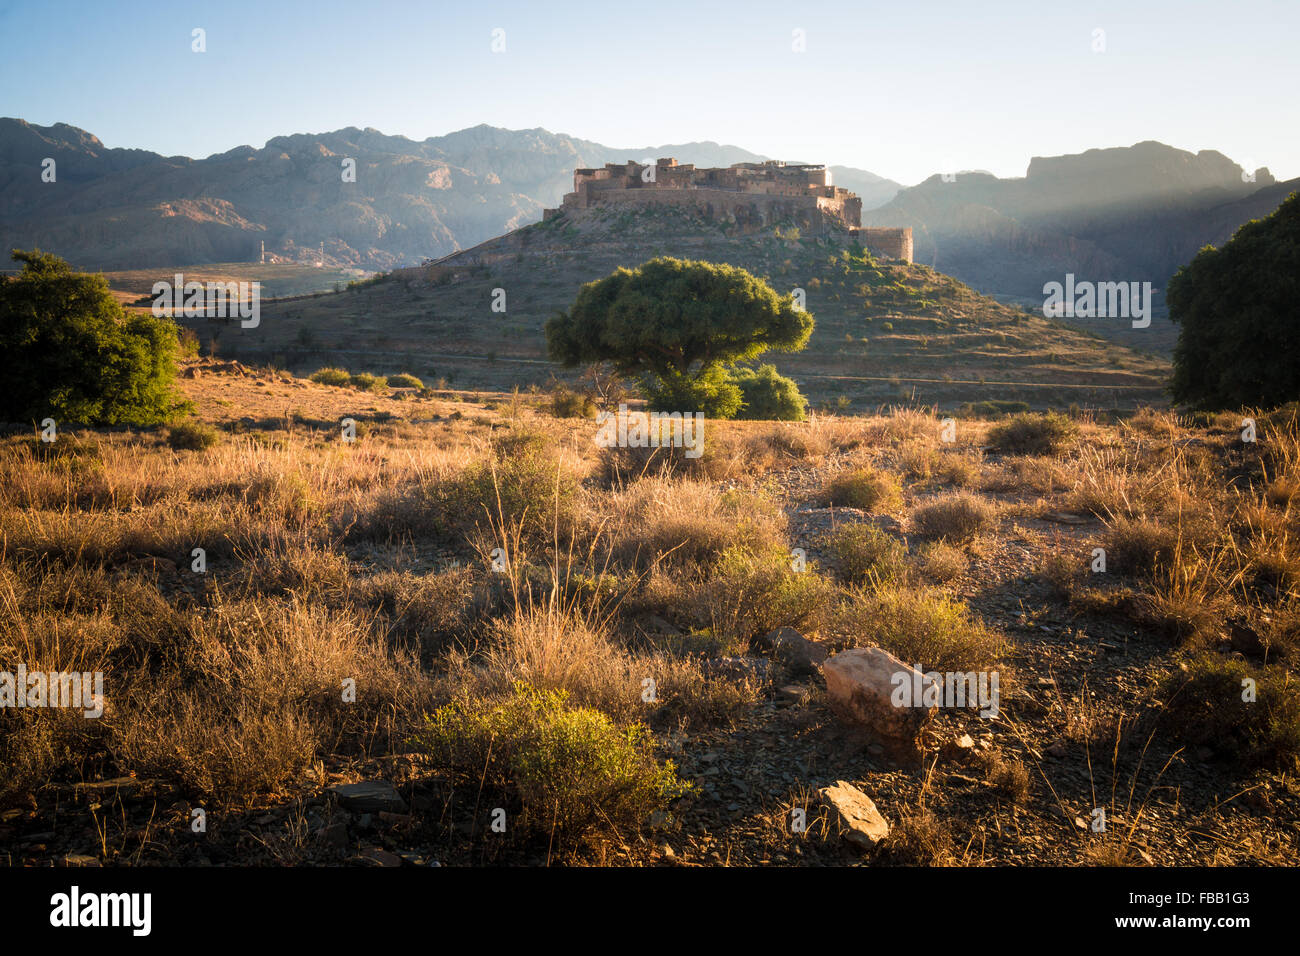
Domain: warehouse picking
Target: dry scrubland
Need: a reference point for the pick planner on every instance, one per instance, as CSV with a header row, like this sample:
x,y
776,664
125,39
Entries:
x,y
523,689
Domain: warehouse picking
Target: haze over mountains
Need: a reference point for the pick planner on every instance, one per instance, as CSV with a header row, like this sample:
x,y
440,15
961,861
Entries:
x,y
1131,214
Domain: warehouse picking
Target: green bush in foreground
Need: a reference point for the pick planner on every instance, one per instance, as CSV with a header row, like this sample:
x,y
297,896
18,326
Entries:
x,y
862,551
564,769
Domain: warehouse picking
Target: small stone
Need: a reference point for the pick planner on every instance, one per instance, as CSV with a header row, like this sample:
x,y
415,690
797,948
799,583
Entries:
x,y
1246,639
959,747
859,820
334,836
371,796
381,857
79,860
1061,517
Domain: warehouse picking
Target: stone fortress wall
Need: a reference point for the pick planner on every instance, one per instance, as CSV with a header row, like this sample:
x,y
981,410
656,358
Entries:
x,y
750,194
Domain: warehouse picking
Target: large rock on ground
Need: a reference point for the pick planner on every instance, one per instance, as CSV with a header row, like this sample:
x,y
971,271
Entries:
x,y
859,821
860,684
371,796
793,649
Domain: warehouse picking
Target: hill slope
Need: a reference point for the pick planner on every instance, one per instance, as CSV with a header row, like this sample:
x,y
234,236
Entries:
x,y
886,332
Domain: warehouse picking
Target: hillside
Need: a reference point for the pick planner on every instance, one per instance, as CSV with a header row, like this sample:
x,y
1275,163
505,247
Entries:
x,y
886,332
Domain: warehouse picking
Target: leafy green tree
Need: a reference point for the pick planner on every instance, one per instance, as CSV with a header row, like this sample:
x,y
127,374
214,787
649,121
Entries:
x,y
1240,339
677,325
68,352
769,395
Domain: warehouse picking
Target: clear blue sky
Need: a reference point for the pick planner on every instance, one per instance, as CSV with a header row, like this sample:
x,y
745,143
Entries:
x,y
904,88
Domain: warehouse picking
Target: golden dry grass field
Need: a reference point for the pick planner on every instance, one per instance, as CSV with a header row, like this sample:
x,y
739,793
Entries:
x,y
468,601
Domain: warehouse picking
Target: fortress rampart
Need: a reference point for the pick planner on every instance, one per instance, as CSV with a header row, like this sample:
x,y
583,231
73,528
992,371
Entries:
x,y
752,195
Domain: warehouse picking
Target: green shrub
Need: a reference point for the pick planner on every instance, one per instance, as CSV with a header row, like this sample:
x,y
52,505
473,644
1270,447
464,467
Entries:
x,y
404,380
749,594
521,485
769,395
563,770
862,487
862,551
1030,434
70,353
332,376
192,436
566,403
369,383
1204,707
919,626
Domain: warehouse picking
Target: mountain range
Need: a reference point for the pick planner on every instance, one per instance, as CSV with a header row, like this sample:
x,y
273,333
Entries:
x,y
129,208
1130,214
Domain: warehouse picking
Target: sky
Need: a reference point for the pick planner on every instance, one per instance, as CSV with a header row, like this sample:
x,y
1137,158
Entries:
x,y
905,88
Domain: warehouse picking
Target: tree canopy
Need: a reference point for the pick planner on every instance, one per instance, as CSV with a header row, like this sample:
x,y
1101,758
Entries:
x,y
672,318
67,350
1239,344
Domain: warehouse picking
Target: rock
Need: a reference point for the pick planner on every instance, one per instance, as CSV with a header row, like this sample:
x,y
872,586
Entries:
x,y
79,859
959,747
381,858
1246,639
370,796
753,669
657,625
334,836
860,822
793,649
1061,517
860,685
100,790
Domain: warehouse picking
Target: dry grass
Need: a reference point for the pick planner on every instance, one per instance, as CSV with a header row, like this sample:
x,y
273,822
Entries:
x,y
331,564
954,518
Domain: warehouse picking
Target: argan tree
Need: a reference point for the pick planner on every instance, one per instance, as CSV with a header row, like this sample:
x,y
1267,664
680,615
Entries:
x,y
679,326
68,352
1240,339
